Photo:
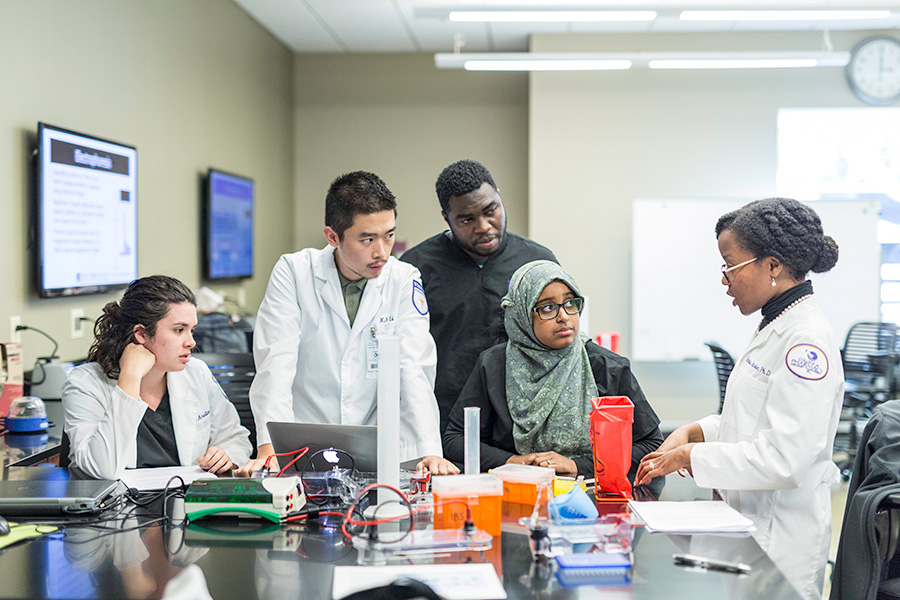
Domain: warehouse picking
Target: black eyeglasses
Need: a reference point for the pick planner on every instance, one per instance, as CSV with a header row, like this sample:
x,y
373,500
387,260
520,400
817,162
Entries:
x,y
549,311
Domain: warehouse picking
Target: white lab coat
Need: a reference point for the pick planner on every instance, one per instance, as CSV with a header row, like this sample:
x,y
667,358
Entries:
x,y
311,366
769,453
102,420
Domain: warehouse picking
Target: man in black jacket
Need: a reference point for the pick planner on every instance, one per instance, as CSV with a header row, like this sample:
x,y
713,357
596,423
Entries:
x,y
465,272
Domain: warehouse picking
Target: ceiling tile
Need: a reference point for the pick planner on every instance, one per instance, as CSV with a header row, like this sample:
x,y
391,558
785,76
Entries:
x,y
422,25
292,24
365,25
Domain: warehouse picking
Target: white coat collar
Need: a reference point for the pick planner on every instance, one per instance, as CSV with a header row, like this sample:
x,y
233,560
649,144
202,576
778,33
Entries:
x,y
184,413
329,287
782,322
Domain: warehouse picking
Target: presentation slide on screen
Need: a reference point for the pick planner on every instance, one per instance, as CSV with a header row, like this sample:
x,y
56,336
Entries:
x,y
231,231
89,211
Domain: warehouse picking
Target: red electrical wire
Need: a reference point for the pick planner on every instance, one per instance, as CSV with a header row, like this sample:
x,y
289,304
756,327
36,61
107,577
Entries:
x,y
300,454
306,516
348,518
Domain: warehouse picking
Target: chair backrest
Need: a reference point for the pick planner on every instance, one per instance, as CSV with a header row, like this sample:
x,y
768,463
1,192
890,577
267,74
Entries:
x,y
724,365
870,353
235,373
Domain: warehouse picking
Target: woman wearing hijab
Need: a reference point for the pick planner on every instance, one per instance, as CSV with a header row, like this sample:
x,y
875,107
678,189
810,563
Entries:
x,y
535,390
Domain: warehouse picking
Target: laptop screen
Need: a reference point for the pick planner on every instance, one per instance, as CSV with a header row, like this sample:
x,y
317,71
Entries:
x,y
358,441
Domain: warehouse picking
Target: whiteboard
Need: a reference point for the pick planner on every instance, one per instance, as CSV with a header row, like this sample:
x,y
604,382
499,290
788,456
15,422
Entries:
x,y
679,302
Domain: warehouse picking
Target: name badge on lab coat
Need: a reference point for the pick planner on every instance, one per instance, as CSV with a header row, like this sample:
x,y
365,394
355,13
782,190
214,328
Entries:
x,y
372,359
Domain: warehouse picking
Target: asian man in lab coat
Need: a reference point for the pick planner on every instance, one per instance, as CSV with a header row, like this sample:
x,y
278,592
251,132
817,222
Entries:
x,y
314,338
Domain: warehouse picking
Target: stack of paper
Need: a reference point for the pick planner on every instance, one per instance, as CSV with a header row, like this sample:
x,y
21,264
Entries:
x,y
691,517
157,478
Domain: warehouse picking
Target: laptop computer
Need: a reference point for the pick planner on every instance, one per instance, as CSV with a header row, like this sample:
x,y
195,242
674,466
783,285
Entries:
x,y
39,491
359,441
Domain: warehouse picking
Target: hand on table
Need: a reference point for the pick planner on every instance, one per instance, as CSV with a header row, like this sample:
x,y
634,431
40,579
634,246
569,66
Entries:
x,y
215,460
255,464
437,466
559,463
659,464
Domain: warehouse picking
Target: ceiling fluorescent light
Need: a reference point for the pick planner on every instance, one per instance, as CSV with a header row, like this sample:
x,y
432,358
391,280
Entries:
x,y
746,63
782,15
745,60
547,65
550,16
561,61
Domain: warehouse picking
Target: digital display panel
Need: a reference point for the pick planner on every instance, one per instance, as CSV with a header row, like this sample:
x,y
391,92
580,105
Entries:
x,y
228,226
86,213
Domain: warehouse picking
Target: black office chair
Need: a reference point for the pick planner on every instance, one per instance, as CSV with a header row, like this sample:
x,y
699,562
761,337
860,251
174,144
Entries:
x,y
64,446
220,333
870,358
724,366
235,373
867,566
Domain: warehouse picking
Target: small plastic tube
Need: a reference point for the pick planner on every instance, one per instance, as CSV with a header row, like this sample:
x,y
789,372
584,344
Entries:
x,y
473,440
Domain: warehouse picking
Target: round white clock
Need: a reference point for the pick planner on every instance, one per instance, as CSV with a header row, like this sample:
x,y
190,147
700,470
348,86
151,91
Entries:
x,y
874,70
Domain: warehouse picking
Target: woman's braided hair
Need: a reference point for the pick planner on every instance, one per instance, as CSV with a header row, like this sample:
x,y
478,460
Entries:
x,y
786,229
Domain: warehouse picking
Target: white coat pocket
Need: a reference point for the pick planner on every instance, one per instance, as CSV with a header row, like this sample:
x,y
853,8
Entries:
x,y
746,404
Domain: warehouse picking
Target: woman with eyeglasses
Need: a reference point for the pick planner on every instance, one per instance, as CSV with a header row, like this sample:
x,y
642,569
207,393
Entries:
x,y
535,390
769,453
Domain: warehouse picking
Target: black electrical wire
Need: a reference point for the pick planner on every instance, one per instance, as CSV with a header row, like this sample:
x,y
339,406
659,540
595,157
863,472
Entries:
x,y
46,335
134,497
373,522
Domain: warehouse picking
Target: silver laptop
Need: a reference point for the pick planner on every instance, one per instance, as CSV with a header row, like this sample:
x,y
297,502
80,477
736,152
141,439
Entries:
x,y
50,491
359,441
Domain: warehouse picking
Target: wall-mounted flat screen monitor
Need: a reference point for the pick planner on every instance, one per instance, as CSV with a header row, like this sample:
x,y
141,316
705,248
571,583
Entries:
x,y
227,226
86,213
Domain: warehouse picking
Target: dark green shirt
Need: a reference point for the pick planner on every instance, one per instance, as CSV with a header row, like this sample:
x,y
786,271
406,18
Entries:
x,y
352,291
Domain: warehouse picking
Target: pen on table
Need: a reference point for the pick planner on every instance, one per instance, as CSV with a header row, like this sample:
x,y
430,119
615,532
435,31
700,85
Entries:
x,y
693,560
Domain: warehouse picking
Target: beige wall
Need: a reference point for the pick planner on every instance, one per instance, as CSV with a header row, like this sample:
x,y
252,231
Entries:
x,y
190,84
601,140
401,118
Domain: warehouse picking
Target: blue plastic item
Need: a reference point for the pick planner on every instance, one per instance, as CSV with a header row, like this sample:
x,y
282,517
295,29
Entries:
x,y
593,569
574,504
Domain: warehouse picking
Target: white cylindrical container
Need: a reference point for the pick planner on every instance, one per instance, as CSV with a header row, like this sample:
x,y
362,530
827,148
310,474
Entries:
x,y
388,413
472,434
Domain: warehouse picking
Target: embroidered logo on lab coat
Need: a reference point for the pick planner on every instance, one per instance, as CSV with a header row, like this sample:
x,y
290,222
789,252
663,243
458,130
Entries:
x,y
202,415
807,361
418,298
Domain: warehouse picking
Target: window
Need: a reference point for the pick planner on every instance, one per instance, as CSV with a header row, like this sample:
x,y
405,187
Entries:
x,y
846,153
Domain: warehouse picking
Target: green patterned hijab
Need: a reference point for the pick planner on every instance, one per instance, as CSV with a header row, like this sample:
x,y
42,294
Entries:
x,y
548,391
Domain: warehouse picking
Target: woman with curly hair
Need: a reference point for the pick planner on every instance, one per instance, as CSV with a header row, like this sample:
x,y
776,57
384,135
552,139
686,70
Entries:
x,y
141,400
769,453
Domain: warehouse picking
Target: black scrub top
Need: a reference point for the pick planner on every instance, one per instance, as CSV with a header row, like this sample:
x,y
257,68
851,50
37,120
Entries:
x,y
156,445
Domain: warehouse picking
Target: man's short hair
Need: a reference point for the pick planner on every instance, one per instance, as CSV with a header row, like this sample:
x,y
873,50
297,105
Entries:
x,y
459,179
356,193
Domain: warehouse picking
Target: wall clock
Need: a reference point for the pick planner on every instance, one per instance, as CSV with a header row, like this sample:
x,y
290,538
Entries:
x,y
874,70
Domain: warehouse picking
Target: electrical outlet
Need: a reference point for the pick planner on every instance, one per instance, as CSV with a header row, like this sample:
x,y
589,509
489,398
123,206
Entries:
x,y
15,336
77,323
242,297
